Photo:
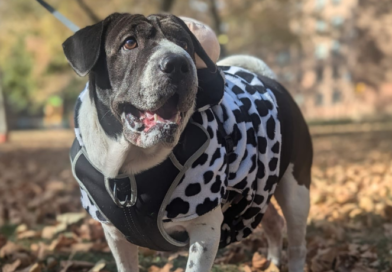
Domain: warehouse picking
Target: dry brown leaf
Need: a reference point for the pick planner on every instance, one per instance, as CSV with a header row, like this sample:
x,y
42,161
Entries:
x,y
353,249
32,268
154,268
388,211
147,251
272,268
55,186
70,218
82,247
61,241
40,250
376,263
369,255
51,263
167,267
49,231
362,268
8,249
28,234
21,228
246,268
11,267
323,260
354,213
74,264
98,266
366,203
35,268
259,261
25,258
65,265
3,240
364,248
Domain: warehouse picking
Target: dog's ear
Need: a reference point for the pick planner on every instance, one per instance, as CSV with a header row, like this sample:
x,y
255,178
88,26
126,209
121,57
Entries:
x,y
82,49
198,48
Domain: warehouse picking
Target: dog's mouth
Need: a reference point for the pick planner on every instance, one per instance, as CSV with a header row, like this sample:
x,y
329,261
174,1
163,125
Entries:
x,y
140,121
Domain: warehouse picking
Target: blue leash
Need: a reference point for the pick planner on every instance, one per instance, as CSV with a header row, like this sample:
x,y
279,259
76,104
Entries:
x,y
71,26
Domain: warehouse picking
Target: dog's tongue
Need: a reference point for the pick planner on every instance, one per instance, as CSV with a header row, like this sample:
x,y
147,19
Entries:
x,y
166,114
150,119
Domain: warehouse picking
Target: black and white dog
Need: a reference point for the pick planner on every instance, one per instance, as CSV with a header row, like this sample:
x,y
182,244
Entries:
x,y
167,156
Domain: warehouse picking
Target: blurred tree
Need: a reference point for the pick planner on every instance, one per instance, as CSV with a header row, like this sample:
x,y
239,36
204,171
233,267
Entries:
x,y
372,62
260,28
89,12
166,5
3,118
17,80
217,24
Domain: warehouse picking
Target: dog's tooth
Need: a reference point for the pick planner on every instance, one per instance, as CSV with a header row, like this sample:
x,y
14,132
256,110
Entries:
x,y
155,117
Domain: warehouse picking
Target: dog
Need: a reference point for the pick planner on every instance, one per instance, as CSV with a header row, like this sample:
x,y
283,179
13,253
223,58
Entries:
x,y
163,165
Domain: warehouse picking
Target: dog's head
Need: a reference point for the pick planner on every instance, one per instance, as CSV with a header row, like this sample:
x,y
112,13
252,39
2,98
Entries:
x,y
143,70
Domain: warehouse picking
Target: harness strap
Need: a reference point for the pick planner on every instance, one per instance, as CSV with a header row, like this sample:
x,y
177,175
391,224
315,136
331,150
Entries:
x,y
138,222
136,204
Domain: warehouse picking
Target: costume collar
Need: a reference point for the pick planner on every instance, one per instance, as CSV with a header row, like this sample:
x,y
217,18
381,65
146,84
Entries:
x,y
211,88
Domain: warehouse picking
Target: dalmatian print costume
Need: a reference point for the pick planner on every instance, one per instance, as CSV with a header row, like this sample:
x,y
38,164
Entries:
x,y
249,115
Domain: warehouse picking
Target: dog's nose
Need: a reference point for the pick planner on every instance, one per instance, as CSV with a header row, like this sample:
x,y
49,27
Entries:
x,y
175,65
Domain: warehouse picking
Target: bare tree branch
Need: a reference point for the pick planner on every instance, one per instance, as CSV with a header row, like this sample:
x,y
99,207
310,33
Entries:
x,y
166,5
3,119
90,13
217,23
215,17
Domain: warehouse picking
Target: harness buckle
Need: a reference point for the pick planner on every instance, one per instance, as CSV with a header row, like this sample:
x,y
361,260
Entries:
x,y
130,200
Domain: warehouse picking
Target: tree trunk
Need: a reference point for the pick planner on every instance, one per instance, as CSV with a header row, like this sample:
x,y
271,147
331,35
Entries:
x,y
166,5
3,119
90,13
217,24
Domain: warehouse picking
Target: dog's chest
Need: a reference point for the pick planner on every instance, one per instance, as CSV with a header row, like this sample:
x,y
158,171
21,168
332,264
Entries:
x,y
249,116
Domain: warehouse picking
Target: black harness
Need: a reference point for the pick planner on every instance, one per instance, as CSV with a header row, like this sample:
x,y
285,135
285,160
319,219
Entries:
x,y
135,204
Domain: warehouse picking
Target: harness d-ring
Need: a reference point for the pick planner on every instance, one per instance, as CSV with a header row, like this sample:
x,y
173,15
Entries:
x,y
129,201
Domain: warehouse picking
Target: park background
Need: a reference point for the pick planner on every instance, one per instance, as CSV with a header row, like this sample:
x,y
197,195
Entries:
x,y
335,58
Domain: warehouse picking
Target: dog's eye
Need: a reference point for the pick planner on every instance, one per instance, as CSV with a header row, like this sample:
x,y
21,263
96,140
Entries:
x,y
130,44
184,45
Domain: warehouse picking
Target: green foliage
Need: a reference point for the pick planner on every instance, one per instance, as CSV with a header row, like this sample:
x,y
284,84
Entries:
x,y
17,81
33,65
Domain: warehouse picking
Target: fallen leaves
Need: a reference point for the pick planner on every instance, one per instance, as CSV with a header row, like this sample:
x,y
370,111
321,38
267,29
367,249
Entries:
x,y
12,266
259,261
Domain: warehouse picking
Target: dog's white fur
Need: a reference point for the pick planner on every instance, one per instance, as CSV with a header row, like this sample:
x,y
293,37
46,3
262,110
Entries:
x,y
204,231
294,200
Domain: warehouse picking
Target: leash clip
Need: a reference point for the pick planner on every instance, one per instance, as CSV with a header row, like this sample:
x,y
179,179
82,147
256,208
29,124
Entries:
x,y
130,199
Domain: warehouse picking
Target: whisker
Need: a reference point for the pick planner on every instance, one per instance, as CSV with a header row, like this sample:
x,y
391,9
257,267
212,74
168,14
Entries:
x,y
105,114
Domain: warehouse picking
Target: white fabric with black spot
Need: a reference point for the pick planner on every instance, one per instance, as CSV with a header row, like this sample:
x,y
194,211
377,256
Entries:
x,y
248,112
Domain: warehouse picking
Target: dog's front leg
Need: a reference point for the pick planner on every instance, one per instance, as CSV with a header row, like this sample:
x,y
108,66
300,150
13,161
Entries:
x,y
124,253
204,235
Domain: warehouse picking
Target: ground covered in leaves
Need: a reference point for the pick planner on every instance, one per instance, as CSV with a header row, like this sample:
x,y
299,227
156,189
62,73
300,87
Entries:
x,y
43,227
